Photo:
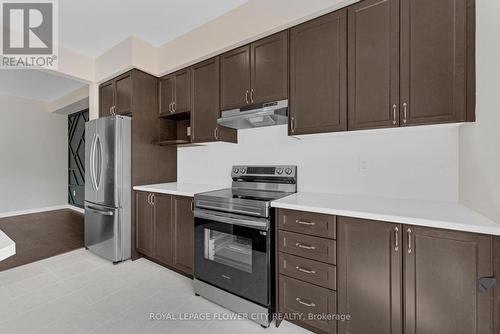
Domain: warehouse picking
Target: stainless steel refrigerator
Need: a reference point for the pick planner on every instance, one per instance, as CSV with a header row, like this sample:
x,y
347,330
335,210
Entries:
x,y
108,189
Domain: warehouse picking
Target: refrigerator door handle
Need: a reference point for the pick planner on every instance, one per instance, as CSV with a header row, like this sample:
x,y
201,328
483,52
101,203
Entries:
x,y
99,211
98,173
92,162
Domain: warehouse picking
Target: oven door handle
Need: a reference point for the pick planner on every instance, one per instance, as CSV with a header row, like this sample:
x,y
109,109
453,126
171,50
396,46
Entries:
x,y
227,218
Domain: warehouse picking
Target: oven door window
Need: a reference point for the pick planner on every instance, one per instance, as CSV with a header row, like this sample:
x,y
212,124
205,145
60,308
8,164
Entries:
x,y
230,250
233,258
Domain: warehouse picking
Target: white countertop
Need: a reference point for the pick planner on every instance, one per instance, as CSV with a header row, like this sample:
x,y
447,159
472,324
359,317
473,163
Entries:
x,y
180,189
7,246
453,216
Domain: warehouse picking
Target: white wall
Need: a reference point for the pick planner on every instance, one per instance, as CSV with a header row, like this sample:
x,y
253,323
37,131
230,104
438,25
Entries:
x,y
479,142
33,156
416,163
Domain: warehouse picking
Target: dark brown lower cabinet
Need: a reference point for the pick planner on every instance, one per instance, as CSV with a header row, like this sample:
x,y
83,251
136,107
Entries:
x,y
442,271
309,302
369,264
164,229
144,223
183,234
404,279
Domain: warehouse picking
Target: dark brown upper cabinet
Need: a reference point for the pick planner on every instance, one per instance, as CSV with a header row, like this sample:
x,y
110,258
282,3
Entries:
x,y
106,98
235,78
269,69
373,64
166,94
437,61
183,233
369,268
441,279
318,75
116,96
175,93
255,73
206,106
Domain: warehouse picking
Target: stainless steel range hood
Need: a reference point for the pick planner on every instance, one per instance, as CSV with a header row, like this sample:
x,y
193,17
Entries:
x,y
267,114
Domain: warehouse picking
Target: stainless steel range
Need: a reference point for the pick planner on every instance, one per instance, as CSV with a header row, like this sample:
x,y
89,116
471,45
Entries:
x,y
234,240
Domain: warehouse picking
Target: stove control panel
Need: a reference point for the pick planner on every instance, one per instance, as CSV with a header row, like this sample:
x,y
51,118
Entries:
x,y
267,171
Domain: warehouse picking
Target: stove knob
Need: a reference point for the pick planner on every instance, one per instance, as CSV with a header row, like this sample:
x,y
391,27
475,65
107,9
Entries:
x,y
235,171
288,171
242,170
279,171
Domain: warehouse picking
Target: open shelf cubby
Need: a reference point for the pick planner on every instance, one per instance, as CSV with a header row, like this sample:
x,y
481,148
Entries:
x,y
174,130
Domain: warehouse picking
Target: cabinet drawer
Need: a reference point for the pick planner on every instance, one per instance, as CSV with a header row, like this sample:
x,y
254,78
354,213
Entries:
x,y
307,222
308,270
297,297
314,248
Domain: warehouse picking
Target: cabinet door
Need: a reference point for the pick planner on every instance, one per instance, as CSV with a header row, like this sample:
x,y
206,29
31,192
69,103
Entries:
x,y
442,269
235,78
269,61
166,92
318,75
206,109
163,228
433,61
183,220
373,64
369,267
143,223
123,101
182,91
106,98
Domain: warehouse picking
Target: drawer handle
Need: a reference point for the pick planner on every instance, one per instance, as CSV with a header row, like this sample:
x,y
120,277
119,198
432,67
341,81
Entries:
x,y
298,244
307,271
304,303
301,222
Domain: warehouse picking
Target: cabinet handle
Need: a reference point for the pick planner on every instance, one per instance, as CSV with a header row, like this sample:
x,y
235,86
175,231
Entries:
x,y
394,107
149,199
153,199
298,244
246,96
192,205
216,133
304,303
307,271
111,110
409,241
170,107
292,124
251,95
301,222
396,239
173,106
405,112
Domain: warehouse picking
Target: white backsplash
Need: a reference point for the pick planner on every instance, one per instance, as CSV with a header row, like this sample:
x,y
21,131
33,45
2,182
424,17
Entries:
x,y
411,163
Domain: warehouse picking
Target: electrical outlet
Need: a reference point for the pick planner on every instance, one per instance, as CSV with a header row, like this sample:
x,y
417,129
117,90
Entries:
x,y
363,165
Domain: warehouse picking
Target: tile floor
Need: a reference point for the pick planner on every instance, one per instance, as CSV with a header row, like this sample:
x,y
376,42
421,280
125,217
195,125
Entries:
x,y
78,292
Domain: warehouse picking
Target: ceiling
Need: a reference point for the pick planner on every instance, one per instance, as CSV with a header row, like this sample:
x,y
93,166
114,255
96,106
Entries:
x,y
36,85
91,27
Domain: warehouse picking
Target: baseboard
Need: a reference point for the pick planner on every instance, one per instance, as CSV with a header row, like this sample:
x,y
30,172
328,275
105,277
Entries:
x,y
75,208
37,210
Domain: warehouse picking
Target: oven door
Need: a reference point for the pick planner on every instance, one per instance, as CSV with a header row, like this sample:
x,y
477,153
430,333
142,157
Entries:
x,y
232,253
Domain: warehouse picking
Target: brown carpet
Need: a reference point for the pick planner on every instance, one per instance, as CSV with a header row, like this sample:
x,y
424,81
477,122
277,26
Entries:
x,y
42,235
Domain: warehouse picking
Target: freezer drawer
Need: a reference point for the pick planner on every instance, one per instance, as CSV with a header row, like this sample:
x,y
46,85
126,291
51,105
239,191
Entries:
x,y
102,231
